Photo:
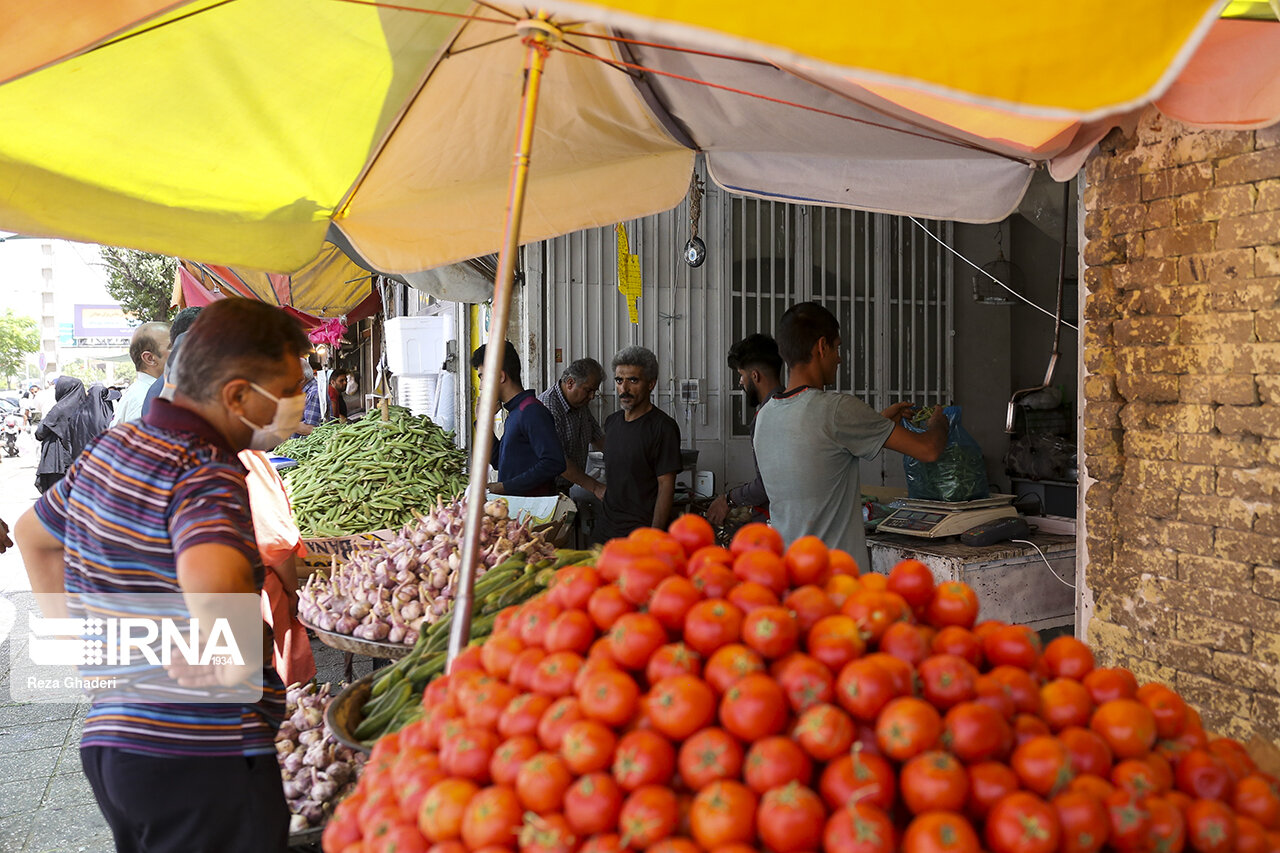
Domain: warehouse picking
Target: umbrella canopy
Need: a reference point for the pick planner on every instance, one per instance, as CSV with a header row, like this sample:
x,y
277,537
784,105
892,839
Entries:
x,y
245,132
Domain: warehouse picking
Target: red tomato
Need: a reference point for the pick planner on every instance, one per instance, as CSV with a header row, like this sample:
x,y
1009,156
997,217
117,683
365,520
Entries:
x,y
1250,836
1065,702
940,832
523,668
954,640
468,754
1022,823
639,578
592,804
535,619
1028,726
607,605
1089,752
809,604
771,631
907,727
1083,820
756,537
1235,755
608,843
660,545
723,813
610,696
714,580
952,603
874,611
730,663
906,642
542,781
864,688
573,585
710,555
571,631
749,595
561,714
634,638
510,756
1203,775
762,567
587,746
672,659
499,652
989,782
947,680
709,755
521,714
1256,797
1067,657
1127,726
791,819
1130,821
753,708
1110,683
1168,826
835,641
643,757
619,553
807,562
671,601
493,817
912,580
858,828
842,563
825,731
934,781
1211,827
1021,686
1167,707
904,676
711,624
546,834
649,814
555,674
774,761
1043,764
995,694
976,732
692,532
680,705
1137,775
805,681
859,776
1012,645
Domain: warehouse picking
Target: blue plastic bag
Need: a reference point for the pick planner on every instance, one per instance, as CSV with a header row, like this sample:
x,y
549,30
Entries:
x,y
960,474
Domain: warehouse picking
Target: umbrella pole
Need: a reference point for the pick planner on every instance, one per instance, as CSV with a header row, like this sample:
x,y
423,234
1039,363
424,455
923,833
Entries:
x,y
537,33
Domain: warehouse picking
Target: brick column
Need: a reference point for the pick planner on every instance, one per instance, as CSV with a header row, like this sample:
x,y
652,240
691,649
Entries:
x,y
1182,414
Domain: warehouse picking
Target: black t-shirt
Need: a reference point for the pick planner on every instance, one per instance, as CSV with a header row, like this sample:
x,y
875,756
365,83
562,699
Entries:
x,y
636,454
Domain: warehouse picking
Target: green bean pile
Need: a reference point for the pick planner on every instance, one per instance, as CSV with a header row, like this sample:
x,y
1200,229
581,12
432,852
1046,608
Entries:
x,y
308,446
374,474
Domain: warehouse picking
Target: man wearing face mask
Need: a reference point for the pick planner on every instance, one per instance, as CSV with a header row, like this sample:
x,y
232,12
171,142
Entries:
x,y
160,505
149,349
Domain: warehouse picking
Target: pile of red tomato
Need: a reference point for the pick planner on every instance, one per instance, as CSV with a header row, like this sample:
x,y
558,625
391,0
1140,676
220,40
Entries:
x,y
679,697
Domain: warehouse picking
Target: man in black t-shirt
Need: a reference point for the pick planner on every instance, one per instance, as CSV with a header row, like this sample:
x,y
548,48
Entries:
x,y
642,449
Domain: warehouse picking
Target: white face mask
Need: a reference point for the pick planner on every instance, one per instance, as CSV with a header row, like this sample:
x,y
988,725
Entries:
x,y
352,387
285,423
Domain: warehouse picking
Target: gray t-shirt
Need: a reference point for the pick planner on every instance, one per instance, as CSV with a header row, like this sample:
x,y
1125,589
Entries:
x,y
808,444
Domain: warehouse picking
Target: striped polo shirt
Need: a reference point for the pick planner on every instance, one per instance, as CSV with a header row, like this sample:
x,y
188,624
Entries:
x,y
137,497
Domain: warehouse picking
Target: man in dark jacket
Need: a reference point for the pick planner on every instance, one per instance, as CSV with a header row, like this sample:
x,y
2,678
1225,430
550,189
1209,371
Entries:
x,y
529,456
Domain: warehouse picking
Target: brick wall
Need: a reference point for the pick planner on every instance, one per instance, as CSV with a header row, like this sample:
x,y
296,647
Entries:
x,y
1182,414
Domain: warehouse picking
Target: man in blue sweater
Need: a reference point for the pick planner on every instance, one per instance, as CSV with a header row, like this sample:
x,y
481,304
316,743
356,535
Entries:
x,y
529,456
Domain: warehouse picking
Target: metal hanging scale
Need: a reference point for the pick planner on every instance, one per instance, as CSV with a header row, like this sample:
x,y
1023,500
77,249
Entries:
x,y
695,251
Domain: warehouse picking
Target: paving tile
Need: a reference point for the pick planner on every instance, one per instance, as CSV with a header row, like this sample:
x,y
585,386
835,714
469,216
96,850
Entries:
x,y
79,827
33,736
14,830
22,796
69,761
67,790
30,763
36,712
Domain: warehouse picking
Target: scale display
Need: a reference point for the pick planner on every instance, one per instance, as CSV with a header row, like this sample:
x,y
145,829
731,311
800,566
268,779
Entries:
x,y
935,519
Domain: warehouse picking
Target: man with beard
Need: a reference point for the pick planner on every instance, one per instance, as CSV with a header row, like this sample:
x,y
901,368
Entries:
x,y
759,368
642,449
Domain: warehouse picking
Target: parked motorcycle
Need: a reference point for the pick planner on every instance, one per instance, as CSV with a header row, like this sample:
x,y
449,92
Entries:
x,y
12,426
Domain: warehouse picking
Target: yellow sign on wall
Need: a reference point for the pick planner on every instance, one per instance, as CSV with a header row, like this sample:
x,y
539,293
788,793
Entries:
x,y
628,275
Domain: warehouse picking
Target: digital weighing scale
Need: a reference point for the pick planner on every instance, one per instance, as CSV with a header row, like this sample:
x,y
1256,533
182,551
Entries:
x,y
935,519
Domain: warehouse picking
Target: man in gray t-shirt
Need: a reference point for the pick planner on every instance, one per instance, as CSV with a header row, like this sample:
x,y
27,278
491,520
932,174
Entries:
x,y
808,441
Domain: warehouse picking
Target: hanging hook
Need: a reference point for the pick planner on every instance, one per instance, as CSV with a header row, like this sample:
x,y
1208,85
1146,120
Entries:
x,y
695,251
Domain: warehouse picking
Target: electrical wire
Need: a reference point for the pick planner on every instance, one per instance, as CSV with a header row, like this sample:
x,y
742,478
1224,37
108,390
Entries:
x,y
943,243
1056,576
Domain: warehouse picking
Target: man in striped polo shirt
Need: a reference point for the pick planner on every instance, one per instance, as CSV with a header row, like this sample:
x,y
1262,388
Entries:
x,y
159,505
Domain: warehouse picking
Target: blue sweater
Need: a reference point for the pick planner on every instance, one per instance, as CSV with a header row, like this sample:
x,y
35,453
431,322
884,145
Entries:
x,y
529,457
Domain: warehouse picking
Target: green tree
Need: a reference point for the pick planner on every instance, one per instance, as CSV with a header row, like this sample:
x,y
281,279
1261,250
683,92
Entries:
x,y
142,282
19,337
